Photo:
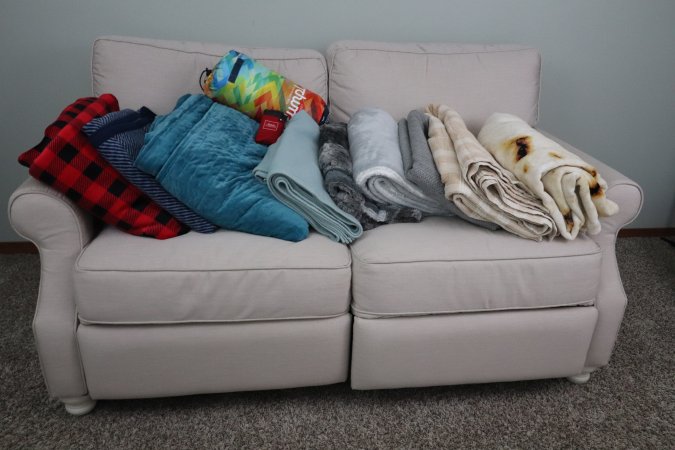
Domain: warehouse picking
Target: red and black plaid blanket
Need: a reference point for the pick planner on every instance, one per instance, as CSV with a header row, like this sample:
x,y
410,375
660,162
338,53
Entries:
x,y
66,160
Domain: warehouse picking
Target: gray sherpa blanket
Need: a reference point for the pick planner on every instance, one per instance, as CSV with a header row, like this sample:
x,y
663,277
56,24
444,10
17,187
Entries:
x,y
378,166
419,166
335,163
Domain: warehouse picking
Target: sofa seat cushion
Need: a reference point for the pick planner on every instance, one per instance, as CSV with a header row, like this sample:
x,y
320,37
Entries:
x,y
446,265
226,276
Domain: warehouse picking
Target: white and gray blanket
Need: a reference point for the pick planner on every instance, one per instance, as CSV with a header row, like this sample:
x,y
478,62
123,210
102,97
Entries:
x,y
478,185
570,189
378,166
335,163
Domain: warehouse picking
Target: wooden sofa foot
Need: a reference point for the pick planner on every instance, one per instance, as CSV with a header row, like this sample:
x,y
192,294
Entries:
x,y
582,378
79,406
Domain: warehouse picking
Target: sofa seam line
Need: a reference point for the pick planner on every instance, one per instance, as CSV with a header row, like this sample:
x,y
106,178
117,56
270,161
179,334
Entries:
x,y
140,44
341,50
357,258
584,304
79,269
87,323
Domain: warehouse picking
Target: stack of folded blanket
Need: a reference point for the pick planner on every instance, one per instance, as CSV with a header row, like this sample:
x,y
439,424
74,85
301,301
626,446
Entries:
x,y
199,168
382,172
478,185
378,166
291,170
67,161
572,190
119,136
420,169
204,153
335,162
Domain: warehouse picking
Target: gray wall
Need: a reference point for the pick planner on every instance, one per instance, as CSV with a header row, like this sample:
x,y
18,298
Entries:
x,y
608,76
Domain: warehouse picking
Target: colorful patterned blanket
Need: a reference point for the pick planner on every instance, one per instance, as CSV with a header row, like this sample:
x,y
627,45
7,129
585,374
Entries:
x,y
248,86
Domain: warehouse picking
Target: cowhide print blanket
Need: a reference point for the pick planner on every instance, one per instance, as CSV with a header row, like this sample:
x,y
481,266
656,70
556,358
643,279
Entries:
x,y
571,189
478,185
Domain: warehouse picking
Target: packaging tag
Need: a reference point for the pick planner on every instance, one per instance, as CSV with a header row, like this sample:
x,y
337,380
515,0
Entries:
x,y
272,124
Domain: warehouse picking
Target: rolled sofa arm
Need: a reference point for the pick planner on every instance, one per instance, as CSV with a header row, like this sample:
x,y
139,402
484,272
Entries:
x,y
622,190
611,300
60,230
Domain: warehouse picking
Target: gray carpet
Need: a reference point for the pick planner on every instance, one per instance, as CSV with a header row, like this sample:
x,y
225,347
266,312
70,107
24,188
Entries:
x,y
629,404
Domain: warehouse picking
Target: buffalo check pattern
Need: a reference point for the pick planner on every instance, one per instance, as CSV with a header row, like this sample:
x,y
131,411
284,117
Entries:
x,y
69,113
71,165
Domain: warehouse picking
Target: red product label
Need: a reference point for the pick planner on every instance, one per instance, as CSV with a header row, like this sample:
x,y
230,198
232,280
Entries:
x,y
271,127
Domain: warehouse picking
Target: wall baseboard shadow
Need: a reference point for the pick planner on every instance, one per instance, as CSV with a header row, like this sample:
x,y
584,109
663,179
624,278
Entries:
x,y
9,248
647,232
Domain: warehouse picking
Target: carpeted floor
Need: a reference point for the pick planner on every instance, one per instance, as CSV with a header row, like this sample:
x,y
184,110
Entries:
x,y
629,404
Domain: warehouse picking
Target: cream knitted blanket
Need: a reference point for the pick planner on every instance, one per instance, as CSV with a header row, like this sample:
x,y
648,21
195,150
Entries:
x,y
477,184
571,189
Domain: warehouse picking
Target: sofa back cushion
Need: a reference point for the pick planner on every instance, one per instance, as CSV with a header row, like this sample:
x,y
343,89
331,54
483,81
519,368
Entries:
x,y
476,80
154,73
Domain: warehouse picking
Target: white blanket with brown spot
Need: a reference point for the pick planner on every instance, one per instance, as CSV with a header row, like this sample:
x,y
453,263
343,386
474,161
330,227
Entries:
x,y
477,184
571,189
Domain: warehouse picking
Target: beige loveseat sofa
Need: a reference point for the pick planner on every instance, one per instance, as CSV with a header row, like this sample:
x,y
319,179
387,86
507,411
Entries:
x,y
433,303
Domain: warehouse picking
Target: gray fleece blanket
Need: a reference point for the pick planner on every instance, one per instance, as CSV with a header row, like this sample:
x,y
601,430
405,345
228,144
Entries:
x,y
419,166
378,166
335,163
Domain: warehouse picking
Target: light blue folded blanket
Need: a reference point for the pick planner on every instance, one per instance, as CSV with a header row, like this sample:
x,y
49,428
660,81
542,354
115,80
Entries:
x,y
291,170
203,154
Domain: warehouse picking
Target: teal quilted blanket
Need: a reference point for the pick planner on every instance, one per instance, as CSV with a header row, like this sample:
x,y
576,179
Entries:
x,y
204,153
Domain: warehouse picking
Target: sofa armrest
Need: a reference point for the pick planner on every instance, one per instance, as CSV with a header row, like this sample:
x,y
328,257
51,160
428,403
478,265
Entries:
x,y
611,299
60,230
622,190
48,218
